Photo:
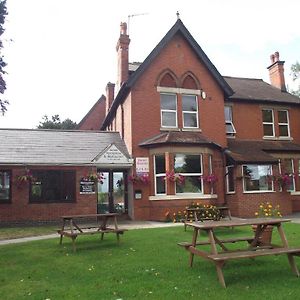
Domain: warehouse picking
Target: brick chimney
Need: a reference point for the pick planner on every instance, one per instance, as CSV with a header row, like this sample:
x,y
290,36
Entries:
x,y
110,95
122,49
276,72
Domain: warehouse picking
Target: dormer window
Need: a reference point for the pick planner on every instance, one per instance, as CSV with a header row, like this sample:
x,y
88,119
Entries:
x,y
190,111
230,130
168,107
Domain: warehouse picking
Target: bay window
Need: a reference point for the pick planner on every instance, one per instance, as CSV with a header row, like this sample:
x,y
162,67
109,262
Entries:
x,y
168,108
255,178
230,179
190,111
160,173
189,166
5,186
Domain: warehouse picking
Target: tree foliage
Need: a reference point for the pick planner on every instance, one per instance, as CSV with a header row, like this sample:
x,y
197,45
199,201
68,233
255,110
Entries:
x,y
295,72
56,123
3,14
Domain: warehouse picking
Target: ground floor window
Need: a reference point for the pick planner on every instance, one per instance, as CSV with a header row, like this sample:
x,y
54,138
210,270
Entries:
x,y
230,179
160,173
53,186
190,167
5,186
287,168
255,178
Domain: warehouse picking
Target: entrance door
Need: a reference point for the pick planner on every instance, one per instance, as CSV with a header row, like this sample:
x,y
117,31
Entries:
x,y
112,193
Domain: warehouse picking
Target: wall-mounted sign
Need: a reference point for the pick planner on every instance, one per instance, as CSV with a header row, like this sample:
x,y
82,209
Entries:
x,y
142,165
111,155
87,187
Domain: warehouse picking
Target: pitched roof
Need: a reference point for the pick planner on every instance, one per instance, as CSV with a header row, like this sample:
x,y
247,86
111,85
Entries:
x,y
178,28
55,147
257,90
178,137
252,151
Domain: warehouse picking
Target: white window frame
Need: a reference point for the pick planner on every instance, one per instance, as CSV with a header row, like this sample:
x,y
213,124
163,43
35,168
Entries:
x,y
227,180
189,111
284,124
229,122
269,123
293,170
192,174
257,191
169,111
160,175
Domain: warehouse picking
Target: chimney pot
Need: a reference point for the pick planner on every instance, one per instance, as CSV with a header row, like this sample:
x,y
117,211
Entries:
x,y
123,28
276,72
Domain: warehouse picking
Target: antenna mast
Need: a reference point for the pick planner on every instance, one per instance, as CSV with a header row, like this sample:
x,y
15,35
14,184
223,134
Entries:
x,y
131,16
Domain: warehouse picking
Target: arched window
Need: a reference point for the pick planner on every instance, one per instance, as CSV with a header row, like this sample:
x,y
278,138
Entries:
x,y
189,81
167,79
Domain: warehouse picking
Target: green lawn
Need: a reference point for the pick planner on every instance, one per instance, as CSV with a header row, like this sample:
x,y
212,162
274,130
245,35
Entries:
x,y
147,264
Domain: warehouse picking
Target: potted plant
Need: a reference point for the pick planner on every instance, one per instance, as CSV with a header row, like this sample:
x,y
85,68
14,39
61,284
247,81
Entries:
x,y
25,177
139,178
267,210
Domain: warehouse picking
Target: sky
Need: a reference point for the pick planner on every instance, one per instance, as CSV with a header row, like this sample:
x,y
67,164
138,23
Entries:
x,y
60,54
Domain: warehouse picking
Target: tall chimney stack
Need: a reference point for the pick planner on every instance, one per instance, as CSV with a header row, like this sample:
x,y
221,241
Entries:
x,y
123,56
110,95
276,72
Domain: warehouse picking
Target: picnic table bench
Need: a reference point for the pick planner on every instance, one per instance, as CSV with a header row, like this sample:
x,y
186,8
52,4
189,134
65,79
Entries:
x,y
254,249
195,214
72,229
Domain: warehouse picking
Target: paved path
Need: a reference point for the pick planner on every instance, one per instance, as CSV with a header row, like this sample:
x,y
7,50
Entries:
x,y
122,224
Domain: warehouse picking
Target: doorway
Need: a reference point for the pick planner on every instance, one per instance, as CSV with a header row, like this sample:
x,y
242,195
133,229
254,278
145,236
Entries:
x,y
112,192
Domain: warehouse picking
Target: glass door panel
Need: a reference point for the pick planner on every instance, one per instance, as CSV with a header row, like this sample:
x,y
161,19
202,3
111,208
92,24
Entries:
x,y
118,192
103,194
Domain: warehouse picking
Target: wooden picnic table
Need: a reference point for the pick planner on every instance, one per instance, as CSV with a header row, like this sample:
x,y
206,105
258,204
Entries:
x,y
71,227
253,249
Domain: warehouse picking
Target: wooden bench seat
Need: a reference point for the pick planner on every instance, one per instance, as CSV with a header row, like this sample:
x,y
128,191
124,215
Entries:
x,y
253,253
94,231
231,240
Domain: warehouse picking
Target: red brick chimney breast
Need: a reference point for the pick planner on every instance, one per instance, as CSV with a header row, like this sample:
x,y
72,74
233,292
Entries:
x,y
110,95
276,72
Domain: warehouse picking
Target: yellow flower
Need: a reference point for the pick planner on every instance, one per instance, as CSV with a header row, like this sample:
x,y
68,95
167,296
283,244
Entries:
x,y
256,213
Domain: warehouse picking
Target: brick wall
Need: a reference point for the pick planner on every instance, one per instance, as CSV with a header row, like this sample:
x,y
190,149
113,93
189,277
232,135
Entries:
x,y
20,209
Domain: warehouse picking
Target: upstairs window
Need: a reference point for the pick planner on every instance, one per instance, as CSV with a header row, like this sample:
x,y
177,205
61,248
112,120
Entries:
x,y
230,130
190,111
283,123
268,122
168,107
5,186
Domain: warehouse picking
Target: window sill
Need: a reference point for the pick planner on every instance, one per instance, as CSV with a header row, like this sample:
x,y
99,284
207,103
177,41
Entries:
x,y
169,129
296,193
280,138
257,192
192,129
183,197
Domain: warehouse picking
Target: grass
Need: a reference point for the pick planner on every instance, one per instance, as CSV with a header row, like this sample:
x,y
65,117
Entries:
x,y
147,264
19,232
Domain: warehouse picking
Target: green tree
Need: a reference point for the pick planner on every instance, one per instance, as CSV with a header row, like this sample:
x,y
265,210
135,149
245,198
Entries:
x,y
295,72
56,123
3,14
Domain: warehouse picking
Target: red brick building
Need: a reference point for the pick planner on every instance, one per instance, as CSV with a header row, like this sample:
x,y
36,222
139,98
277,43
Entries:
x,y
174,131
233,141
